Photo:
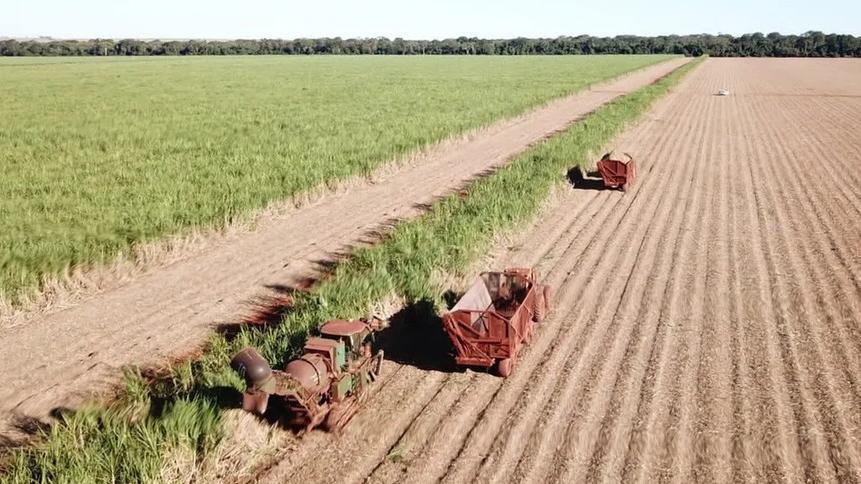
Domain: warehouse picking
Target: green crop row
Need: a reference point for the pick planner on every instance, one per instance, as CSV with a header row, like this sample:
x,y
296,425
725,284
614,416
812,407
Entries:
x,y
99,155
128,440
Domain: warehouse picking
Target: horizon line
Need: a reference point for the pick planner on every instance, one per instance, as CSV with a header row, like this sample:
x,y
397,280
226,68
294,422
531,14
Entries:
x,y
48,38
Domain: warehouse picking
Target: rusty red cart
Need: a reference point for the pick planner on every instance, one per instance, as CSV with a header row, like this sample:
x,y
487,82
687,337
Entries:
x,y
494,319
618,170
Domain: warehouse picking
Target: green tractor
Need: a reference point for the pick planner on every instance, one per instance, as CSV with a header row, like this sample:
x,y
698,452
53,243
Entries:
x,y
325,385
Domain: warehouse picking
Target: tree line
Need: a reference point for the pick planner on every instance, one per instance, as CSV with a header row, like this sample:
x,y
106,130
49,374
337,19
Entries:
x,y
810,44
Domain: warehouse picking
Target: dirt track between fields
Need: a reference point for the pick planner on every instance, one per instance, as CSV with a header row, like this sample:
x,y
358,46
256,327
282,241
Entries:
x,y
707,324
56,360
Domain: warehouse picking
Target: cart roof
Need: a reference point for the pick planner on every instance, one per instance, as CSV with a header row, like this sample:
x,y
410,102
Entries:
x,y
340,327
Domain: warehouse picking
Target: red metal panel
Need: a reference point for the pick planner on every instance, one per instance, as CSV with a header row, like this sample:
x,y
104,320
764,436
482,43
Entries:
x,y
617,173
482,337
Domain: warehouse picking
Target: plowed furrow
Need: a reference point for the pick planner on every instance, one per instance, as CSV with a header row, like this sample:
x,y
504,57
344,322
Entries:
x,y
558,276
416,438
774,359
615,425
825,195
635,351
655,369
609,297
839,306
803,342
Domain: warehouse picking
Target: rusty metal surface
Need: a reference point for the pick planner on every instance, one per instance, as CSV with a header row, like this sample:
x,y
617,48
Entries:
x,y
320,387
617,170
251,367
311,371
494,319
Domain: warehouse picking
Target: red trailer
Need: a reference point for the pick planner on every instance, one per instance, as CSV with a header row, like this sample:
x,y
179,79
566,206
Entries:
x,y
490,323
617,170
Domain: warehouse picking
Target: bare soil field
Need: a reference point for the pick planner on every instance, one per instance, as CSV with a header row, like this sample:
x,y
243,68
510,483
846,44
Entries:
x,y
707,323
57,359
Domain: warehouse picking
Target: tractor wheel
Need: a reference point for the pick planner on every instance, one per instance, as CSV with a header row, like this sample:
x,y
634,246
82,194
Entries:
x,y
539,309
505,367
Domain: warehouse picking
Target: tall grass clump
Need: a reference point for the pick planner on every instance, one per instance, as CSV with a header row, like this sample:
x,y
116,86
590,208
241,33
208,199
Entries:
x,y
94,445
101,154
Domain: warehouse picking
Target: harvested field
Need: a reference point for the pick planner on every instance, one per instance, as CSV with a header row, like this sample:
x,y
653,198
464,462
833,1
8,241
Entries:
x,y
707,323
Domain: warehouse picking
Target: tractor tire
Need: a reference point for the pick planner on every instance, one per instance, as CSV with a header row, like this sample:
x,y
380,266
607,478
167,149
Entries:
x,y
539,309
504,367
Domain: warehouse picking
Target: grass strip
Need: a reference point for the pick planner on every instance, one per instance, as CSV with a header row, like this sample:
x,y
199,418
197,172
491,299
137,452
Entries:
x,y
129,440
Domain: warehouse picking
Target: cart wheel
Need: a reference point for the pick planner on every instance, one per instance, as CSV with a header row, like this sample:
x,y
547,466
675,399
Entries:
x,y
530,331
539,309
547,291
505,367
625,186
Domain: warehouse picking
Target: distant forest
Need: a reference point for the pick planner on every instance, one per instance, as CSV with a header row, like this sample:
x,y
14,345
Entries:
x,y
810,44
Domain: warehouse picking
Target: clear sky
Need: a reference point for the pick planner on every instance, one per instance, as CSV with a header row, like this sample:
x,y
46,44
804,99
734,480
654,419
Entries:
x,y
434,19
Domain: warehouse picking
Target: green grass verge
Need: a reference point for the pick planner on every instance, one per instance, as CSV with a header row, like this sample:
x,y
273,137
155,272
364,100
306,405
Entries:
x,y
100,154
128,441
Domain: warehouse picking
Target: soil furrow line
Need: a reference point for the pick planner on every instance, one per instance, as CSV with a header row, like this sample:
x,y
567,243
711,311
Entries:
x,y
607,461
655,381
683,314
809,354
416,437
713,426
727,355
634,447
783,370
743,446
810,147
819,226
610,296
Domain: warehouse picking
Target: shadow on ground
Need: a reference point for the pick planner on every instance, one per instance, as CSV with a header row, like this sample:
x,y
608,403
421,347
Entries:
x,y
415,337
585,180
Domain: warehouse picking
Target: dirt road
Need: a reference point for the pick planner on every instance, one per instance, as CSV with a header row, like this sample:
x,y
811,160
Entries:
x,y
707,325
57,359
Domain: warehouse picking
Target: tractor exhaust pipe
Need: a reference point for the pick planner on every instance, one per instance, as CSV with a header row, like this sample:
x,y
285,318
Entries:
x,y
257,374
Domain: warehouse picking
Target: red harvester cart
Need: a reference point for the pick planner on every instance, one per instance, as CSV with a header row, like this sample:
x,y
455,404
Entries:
x,y
495,317
617,171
